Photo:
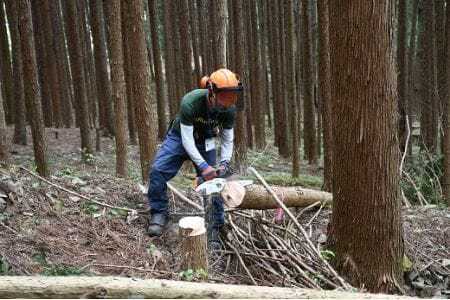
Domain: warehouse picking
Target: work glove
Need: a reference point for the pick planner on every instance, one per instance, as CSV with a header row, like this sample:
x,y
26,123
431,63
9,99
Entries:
x,y
224,169
209,173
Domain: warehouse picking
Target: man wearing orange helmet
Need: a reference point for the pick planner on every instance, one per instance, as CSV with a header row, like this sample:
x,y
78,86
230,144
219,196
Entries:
x,y
204,114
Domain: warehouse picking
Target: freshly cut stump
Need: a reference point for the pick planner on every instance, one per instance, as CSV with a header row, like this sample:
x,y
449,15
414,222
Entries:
x,y
193,243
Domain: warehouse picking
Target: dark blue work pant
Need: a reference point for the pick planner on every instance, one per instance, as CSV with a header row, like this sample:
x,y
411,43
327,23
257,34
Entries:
x,y
168,161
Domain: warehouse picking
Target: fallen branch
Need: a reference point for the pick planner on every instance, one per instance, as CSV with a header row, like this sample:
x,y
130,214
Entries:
x,y
75,193
183,197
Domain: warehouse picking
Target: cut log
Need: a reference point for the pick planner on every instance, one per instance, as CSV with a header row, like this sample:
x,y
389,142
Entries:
x,y
257,197
193,244
122,287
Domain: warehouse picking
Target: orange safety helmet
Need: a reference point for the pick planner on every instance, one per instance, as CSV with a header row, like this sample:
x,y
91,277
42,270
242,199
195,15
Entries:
x,y
204,82
225,85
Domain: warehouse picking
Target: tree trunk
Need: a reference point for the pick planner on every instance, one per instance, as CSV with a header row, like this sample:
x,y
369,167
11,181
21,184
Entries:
x,y
366,221
78,74
186,51
263,33
402,73
6,74
114,22
325,91
62,63
43,63
240,151
170,64
194,254
55,89
101,64
204,37
256,80
32,88
145,109
308,101
4,152
446,139
20,130
196,39
122,287
159,77
220,34
127,72
247,76
180,72
290,83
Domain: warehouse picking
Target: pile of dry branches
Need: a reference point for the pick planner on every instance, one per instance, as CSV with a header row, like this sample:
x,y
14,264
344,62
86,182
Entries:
x,y
274,255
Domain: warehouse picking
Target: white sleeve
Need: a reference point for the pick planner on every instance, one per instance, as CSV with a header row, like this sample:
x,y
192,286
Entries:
x,y
226,145
187,139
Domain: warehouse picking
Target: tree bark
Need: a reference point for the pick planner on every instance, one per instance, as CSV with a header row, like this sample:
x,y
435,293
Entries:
x,y
62,63
247,76
170,61
4,152
20,130
101,65
32,88
290,83
159,76
6,73
325,91
402,73
78,74
240,151
55,89
220,34
446,139
145,108
366,221
194,253
186,50
196,39
114,22
308,101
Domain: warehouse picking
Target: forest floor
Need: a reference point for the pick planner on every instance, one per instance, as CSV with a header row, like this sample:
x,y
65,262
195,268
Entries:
x,y
45,230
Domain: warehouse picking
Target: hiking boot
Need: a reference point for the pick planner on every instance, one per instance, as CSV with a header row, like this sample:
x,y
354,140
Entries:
x,y
157,224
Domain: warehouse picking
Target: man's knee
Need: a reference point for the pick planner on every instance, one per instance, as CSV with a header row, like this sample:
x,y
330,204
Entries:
x,y
157,183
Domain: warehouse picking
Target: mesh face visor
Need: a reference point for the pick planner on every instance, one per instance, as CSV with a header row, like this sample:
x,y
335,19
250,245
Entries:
x,y
235,89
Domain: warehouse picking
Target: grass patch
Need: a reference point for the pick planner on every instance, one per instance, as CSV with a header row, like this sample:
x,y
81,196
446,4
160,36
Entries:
x,y
62,270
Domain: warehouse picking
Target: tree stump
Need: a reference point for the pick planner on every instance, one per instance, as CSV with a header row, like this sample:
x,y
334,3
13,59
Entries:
x,y
193,243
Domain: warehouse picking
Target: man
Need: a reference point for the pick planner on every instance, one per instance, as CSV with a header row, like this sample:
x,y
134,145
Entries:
x,y
204,114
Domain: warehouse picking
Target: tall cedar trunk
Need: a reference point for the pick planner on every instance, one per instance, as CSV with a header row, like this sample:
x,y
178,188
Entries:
x,y
4,152
284,146
194,23
127,72
248,78
230,35
211,12
42,62
256,81
78,74
20,131
325,91
366,224
32,88
263,32
159,77
170,64
274,67
145,108
180,85
89,68
101,64
240,127
402,73
186,58
446,139
62,63
308,100
429,87
298,69
220,34
55,89
204,36
290,82
6,74
114,22
440,51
